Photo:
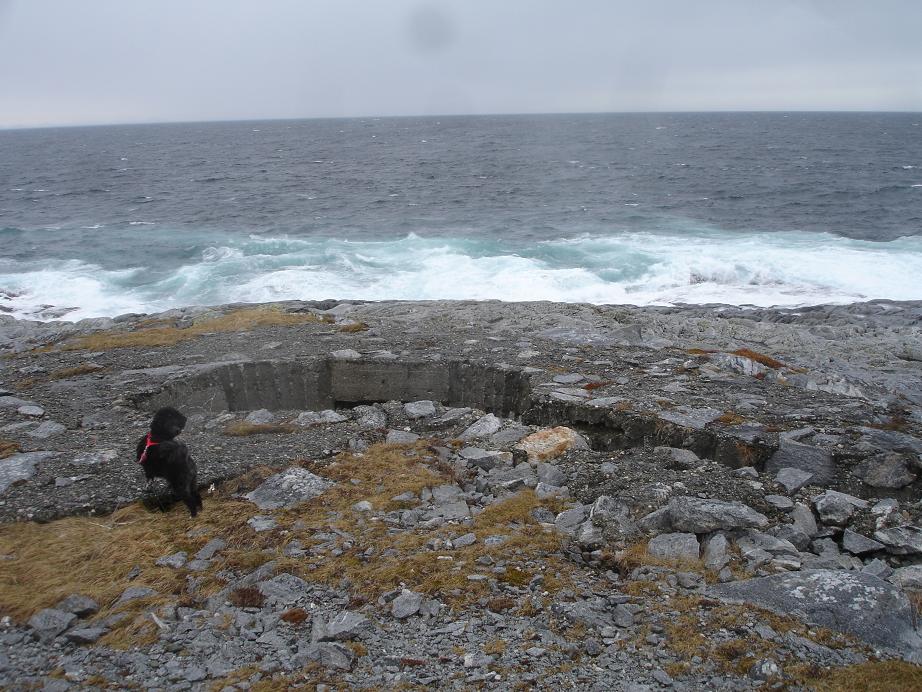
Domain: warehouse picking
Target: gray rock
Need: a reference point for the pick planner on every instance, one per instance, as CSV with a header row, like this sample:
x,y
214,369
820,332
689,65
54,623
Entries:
x,y
401,437
79,605
571,378
343,627
589,536
569,520
813,460
419,409
95,457
288,488
327,654
326,417
793,479
687,417
857,544
613,516
484,427
780,501
878,568
284,589
451,416
369,417
804,521
464,541
207,551
835,508
346,354
674,546
85,635
176,560
549,474
260,417
909,577
406,604
682,458
751,540
46,429
890,470
715,555
746,472
696,515
31,411
901,540
50,622
20,467
260,523
133,593
849,602
543,490
13,402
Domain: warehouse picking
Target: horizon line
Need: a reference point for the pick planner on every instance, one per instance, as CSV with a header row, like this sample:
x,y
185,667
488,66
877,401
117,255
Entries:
x,y
7,128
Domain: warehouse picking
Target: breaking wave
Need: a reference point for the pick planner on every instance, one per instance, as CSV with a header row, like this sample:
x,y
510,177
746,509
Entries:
x,y
642,268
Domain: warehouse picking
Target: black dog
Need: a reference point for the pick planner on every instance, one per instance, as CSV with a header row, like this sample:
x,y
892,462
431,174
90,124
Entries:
x,y
162,456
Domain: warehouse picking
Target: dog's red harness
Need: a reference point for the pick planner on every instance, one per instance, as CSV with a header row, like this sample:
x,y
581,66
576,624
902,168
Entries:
x,y
148,443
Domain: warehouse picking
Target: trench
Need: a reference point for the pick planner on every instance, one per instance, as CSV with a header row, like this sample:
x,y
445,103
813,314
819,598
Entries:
x,y
324,383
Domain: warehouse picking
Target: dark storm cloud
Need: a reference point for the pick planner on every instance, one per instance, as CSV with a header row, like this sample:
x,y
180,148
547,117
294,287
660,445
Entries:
x,y
94,61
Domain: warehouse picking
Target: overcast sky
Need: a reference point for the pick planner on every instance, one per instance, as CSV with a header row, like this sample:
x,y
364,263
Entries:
x,y
108,61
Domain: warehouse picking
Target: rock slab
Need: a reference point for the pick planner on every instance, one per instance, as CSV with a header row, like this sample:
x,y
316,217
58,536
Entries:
x,y
854,603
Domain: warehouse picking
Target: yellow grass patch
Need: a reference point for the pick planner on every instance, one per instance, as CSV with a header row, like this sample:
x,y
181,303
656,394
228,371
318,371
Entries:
x,y
8,448
167,335
873,676
765,360
244,429
352,327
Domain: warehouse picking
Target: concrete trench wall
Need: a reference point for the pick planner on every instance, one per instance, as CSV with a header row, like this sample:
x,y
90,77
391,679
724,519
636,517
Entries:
x,y
323,383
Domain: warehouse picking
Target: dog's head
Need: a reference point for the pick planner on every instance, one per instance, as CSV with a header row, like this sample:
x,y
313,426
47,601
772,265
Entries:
x,y
167,423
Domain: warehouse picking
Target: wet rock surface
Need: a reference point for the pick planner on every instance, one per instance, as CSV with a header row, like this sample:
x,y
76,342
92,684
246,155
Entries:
x,y
675,465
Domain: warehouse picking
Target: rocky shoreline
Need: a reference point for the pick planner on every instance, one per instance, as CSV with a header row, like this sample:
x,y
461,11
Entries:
x,y
706,496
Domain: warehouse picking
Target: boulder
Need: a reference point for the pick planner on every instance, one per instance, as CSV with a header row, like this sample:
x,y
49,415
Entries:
x,y
288,488
484,427
891,470
284,589
901,540
857,544
850,602
813,460
793,479
20,467
419,409
551,443
835,508
674,546
327,654
46,429
406,604
50,622
695,515
681,458
79,605
343,627
260,417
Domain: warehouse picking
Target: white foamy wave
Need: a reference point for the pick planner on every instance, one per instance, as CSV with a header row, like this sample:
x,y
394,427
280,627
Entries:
x,y
694,266
216,254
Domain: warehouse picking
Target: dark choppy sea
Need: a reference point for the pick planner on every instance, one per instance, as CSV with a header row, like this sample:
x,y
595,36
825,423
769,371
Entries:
x,y
763,209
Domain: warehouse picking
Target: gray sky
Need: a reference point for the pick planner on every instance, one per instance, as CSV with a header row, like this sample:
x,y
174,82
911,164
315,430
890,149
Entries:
x,y
105,61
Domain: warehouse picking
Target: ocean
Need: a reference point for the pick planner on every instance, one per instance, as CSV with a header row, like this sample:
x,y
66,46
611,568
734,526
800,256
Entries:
x,y
648,209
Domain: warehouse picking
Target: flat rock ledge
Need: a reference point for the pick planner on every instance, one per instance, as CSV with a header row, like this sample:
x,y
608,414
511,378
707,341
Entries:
x,y
677,457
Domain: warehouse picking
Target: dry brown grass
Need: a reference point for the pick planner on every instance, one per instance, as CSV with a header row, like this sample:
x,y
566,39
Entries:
x,y
8,448
352,328
167,335
495,647
765,360
243,429
873,676
94,556
730,418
